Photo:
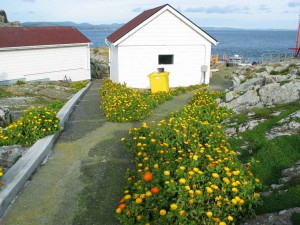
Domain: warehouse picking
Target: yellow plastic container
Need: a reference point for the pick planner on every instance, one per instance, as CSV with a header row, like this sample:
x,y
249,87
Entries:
x,y
159,81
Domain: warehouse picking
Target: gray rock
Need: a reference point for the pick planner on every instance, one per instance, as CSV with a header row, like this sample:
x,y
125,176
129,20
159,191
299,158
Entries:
x,y
244,102
276,186
5,117
269,69
250,125
9,155
230,96
249,84
295,170
284,180
236,81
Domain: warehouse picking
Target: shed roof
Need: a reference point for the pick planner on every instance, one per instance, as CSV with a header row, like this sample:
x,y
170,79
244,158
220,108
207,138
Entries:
x,y
35,36
138,20
133,23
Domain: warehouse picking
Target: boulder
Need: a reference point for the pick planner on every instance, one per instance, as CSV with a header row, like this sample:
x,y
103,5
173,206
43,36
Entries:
x,y
249,84
231,95
5,117
4,22
244,102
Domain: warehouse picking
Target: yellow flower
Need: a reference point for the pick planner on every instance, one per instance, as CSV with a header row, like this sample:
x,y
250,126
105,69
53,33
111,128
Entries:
x,y
215,175
222,223
162,212
230,218
181,212
209,190
167,173
173,206
236,172
182,181
118,210
235,190
182,167
127,197
138,201
187,188
198,192
148,193
139,217
209,214
155,166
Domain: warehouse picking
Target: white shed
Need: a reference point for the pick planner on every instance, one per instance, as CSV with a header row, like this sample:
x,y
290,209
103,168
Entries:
x,y
43,53
160,38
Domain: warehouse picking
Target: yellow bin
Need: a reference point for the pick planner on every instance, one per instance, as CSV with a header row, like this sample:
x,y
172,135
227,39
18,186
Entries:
x,y
159,81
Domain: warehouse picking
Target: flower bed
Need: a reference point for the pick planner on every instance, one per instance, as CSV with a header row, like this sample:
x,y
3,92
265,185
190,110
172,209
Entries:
x,y
123,104
186,172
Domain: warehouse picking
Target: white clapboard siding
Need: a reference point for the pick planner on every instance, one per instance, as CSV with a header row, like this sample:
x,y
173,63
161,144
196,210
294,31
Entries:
x,y
166,29
135,54
53,63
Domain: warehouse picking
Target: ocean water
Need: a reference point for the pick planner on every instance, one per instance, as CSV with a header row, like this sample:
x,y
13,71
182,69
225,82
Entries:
x,y
251,44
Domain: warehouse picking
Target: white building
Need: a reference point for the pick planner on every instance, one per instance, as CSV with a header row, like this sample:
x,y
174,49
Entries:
x,y
43,53
160,38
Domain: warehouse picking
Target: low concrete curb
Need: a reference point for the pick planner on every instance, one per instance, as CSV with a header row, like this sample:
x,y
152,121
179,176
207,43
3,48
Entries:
x,y
20,172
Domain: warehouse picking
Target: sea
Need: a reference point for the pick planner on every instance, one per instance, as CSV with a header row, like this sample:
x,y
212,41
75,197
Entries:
x,y
251,44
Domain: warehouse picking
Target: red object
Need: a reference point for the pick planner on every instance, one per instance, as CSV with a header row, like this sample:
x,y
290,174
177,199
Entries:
x,y
148,176
132,24
155,190
34,36
297,49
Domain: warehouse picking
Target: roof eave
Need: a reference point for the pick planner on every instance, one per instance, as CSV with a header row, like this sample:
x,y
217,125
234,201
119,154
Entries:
x,y
43,46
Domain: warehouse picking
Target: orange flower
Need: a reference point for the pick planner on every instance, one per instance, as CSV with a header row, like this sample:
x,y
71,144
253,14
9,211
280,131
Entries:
x,y
155,190
122,206
148,176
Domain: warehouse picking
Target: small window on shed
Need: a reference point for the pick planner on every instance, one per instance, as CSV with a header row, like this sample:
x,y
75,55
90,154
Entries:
x,y
165,59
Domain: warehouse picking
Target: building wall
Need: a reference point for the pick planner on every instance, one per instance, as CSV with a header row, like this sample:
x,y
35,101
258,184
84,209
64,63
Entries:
x,y
113,63
166,34
46,64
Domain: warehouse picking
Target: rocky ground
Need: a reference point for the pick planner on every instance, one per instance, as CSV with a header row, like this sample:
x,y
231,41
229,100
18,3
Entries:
x,y
267,86
15,98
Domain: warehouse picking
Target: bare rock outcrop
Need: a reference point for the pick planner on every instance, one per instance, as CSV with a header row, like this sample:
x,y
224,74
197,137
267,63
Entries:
x,y
4,21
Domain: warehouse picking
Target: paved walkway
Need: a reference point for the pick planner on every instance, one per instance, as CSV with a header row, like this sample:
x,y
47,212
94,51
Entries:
x,y
82,181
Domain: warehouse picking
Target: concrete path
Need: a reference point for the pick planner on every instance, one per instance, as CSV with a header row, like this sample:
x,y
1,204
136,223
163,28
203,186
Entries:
x,y
82,181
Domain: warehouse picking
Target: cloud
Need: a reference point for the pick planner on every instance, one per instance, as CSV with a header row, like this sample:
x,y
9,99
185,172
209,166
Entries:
x,y
28,0
219,10
199,9
293,4
139,9
263,8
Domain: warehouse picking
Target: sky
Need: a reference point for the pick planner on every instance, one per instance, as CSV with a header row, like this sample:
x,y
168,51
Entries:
x,y
246,14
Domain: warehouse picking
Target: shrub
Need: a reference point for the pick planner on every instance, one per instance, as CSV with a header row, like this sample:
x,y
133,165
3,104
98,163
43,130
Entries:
x,y
78,84
123,104
19,82
35,123
186,171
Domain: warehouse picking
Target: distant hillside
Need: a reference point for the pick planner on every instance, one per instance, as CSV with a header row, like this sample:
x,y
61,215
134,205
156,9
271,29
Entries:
x,y
77,25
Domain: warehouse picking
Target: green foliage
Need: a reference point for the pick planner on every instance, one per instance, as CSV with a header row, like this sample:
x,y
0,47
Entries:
x,y
78,84
186,172
123,104
295,218
55,104
34,124
20,82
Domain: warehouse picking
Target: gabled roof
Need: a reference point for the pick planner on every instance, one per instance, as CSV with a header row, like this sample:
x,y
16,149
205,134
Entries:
x,y
35,36
133,23
145,16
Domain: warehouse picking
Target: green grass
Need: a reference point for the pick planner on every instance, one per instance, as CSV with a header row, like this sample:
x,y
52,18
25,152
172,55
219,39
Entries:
x,y
295,218
270,157
276,202
5,94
